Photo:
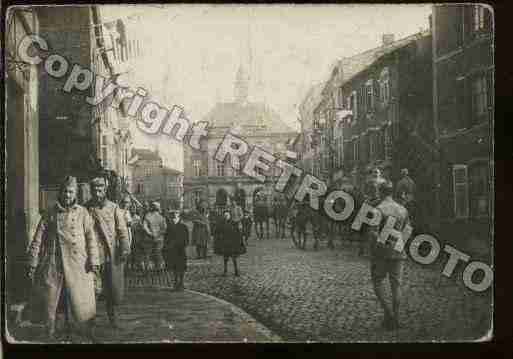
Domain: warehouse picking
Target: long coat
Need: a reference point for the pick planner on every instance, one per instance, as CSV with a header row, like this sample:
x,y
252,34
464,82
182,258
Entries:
x,y
112,234
228,240
63,250
175,242
200,232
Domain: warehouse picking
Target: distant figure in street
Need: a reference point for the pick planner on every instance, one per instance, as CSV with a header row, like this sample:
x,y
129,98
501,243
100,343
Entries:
x,y
261,216
125,209
176,240
302,220
63,259
201,233
385,259
154,226
112,234
135,230
292,219
316,221
237,214
405,189
405,193
247,223
228,242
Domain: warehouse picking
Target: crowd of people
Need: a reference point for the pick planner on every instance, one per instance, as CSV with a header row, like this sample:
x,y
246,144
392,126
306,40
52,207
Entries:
x,y
79,253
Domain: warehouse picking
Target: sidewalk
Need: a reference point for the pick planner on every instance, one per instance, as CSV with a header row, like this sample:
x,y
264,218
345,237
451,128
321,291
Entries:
x,y
159,315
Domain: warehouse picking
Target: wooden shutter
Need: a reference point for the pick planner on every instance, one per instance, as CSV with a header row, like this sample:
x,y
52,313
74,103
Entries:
x,y
460,191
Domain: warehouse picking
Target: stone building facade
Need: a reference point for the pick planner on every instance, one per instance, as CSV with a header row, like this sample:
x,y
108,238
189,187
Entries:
x,y
463,98
152,181
217,183
22,149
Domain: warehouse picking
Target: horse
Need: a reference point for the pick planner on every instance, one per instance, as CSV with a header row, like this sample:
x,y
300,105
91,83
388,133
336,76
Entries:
x,y
280,212
261,214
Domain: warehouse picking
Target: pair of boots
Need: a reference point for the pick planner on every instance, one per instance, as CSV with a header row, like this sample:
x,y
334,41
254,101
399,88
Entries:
x,y
88,330
178,286
235,267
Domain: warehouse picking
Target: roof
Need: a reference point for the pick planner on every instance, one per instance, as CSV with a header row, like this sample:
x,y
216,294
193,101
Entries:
x,y
248,116
352,66
145,154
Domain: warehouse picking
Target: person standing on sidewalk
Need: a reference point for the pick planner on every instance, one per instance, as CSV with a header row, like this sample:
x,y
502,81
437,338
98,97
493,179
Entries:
x,y
63,258
154,226
201,233
124,206
176,240
302,220
228,242
385,259
236,214
247,222
114,247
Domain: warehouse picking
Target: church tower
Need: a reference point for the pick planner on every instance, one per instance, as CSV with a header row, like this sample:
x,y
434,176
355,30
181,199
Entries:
x,y
241,86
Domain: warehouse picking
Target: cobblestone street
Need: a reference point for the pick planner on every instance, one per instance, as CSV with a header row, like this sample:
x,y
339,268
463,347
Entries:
x,y
327,295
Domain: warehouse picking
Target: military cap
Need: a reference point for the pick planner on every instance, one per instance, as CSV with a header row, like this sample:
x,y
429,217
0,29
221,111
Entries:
x,y
69,181
98,181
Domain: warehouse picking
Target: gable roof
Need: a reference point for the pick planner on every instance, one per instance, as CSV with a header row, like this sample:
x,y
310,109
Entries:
x,y
352,66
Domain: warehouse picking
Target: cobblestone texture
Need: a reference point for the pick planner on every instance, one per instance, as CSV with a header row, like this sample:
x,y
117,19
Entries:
x,y
327,295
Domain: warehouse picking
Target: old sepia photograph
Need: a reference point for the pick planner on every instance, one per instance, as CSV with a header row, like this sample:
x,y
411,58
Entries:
x,y
243,173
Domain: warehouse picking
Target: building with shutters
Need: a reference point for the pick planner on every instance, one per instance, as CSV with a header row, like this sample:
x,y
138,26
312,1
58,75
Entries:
x,y
463,97
376,111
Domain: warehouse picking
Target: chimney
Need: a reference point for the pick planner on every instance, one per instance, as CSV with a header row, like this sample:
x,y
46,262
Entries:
x,y
388,39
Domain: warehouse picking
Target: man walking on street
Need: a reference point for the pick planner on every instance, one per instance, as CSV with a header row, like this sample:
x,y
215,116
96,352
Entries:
x,y
113,245
63,259
176,240
385,259
154,226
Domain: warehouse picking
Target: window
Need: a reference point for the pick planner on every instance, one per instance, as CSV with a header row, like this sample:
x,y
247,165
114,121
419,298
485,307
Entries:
x,y
369,93
479,18
356,149
479,96
105,152
220,169
388,143
460,188
196,166
479,190
354,104
147,171
197,197
372,146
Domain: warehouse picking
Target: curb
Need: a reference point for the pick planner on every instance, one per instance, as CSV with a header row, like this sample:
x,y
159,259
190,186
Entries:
x,y
259,327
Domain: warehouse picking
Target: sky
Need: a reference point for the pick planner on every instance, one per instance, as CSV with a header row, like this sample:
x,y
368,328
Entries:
x,y
194,51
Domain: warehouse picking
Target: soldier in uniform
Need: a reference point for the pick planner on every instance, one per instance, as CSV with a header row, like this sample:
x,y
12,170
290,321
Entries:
x,y
63,258
114,246
385,259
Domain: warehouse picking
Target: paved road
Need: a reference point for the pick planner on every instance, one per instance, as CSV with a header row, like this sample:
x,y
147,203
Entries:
x,y
160,315
327,296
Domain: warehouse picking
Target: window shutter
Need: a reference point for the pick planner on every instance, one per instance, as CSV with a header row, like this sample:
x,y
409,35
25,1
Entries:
x,y
460,188
376,91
